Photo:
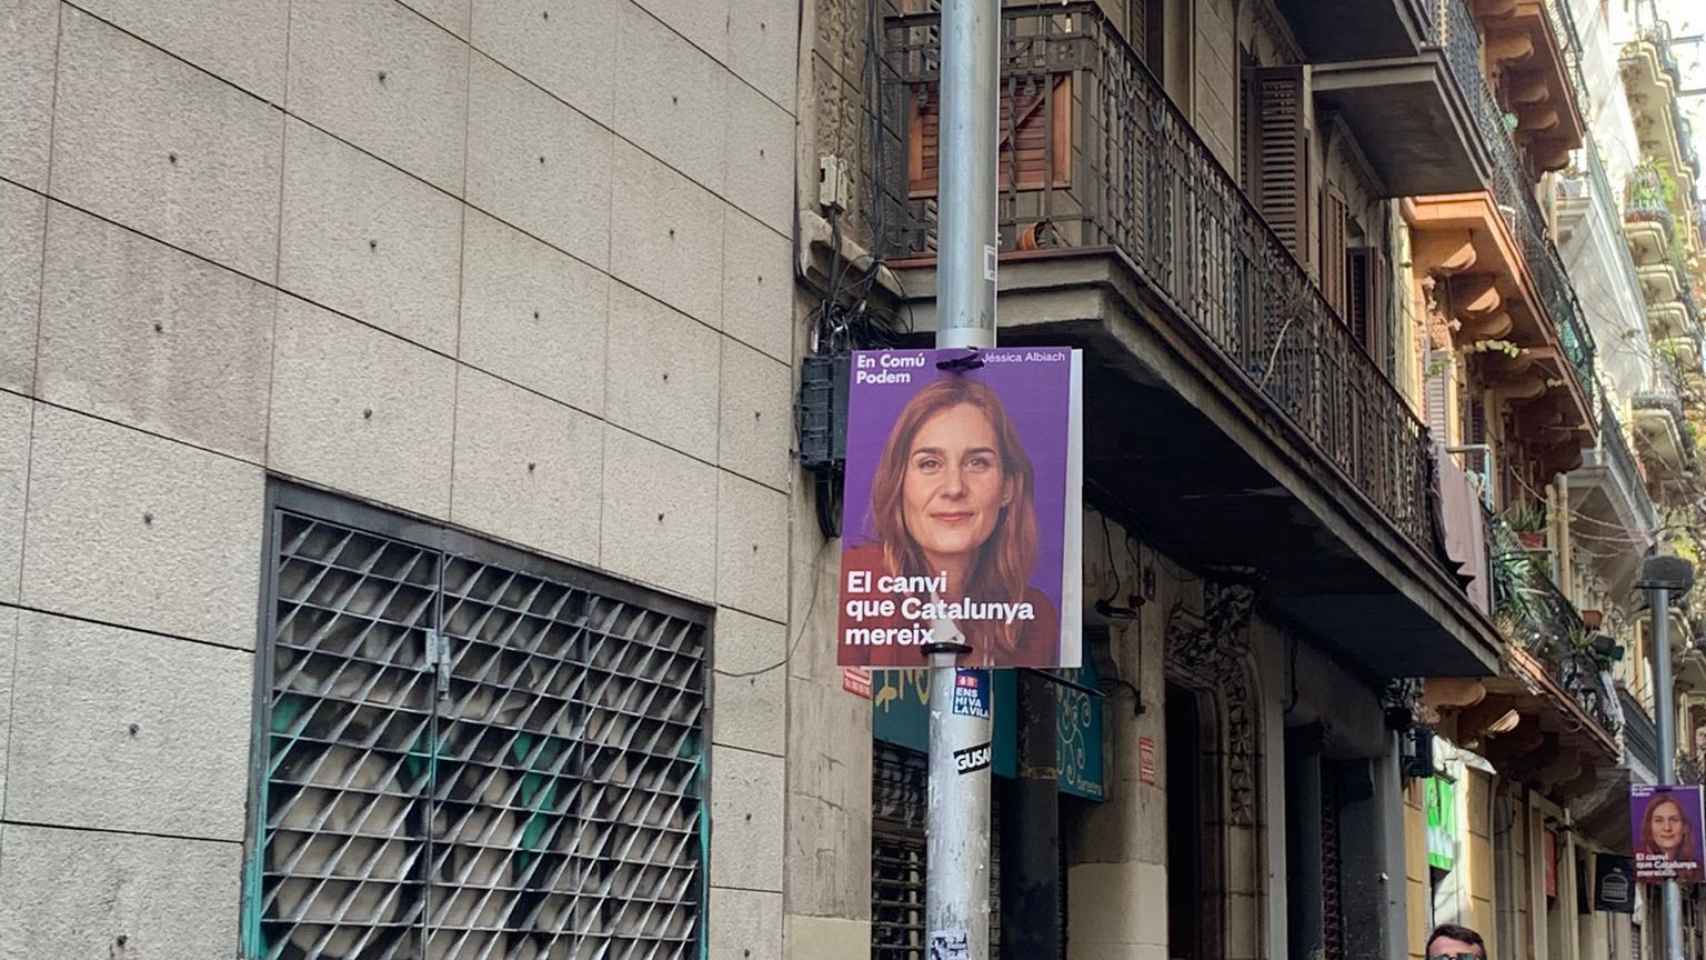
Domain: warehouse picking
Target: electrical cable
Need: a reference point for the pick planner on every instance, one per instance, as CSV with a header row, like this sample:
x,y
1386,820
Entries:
x,y
805,621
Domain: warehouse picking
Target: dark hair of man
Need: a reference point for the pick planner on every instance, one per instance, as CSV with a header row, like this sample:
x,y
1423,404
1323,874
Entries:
x,y
1452,931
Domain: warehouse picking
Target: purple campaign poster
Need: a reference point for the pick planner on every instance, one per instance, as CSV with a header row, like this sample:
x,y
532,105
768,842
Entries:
x,y
1666,825
963,510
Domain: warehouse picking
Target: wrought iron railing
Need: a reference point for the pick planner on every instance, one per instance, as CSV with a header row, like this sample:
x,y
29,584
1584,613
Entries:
x,y
1460,40
1139,179
1564,25
1664,397
1640,736
1644,199
1537,617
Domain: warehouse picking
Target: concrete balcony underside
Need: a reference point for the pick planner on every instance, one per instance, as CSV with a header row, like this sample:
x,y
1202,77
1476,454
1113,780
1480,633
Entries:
x,y
1649,241
1181,444
1358,31
1660,283
1658,436
1410,120
1667,319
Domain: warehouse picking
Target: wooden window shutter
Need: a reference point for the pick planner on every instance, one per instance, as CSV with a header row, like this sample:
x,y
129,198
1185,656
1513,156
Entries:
x,y
1279,153
1366,302
1436,389
1246,119
1036,116
1334,261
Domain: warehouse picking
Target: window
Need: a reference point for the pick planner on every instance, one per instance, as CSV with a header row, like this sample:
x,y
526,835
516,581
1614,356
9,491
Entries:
x,y
466,751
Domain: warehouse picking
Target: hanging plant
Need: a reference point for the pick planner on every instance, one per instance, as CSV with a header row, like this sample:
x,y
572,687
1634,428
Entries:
x,y
1505,347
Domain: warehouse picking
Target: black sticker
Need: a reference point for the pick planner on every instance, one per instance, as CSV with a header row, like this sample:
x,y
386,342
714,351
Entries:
x,y
972,759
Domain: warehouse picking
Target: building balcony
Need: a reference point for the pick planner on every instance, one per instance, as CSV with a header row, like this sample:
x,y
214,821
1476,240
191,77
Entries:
x,y
1647,226
1608,492
1666,447
1527,45
1508,287
1660,283
1551,718
1668,319
1230,411
1651,80
1373,30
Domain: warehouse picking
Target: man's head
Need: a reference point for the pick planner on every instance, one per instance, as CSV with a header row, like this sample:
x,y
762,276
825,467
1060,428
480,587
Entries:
x,y
1451,942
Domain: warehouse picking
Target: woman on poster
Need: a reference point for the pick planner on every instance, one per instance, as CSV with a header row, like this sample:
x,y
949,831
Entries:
x,y
1667,841
952,507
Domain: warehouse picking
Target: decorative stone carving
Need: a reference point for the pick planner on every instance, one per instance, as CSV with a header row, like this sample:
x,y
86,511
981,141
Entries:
x,y
1210,651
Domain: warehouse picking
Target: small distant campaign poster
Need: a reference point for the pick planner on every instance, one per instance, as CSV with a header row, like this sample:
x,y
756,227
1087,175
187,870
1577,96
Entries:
x,y
1665,821
963,513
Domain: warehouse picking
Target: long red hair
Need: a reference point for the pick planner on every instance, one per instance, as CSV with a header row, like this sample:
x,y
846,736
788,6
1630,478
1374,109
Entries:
x,y
1685,849
1002,569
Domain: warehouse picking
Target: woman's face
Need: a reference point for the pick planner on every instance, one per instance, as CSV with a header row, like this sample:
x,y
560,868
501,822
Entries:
x,y
1666,819
954,487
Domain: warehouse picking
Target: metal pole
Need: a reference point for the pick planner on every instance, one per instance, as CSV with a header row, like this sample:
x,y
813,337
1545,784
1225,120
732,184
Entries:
x,y
1659,599
956,909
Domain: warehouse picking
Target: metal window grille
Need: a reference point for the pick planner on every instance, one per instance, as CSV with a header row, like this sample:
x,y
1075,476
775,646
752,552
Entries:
x,y
468,752
899,788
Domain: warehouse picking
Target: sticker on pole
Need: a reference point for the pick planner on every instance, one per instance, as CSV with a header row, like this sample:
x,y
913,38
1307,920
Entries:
x,y
963,514
949,945
971,694
973,759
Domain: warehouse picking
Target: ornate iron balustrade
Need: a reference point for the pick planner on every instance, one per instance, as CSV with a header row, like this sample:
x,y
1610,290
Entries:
x,y
1460,39
1644,199
1140,180
1536,616
1564,25
1665,398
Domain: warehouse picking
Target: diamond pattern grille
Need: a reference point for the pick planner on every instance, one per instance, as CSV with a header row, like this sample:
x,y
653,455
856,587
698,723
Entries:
x,y
464,760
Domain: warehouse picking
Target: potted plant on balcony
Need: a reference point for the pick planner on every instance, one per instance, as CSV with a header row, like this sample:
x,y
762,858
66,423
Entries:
x,y
1528,522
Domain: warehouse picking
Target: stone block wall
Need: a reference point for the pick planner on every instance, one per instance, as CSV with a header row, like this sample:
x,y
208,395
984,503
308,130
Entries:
x,y
520,268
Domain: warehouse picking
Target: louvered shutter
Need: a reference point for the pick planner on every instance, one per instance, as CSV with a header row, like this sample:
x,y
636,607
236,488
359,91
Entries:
x,y
1279,153
1366,302
1246,120
1436,389
1334,261
1036,116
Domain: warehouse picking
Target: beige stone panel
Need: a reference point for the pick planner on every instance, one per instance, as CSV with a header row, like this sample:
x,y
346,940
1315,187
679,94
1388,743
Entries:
x,y
659,524
826,938
746,818
752,547
8,640
829,857
14,474
1114,951
567,47
762,36
1415,844
130,752
532,314
1120,903
29,37
671,241
135,331
242,41
758,302
758,157
746,925
21,221
155,144
829,744
538,163
749,703
1417,908
375,74
673,103
361,410
1480,867
528,469
139,531
452,15
662,374
368,240
704,23
755,430
73,893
